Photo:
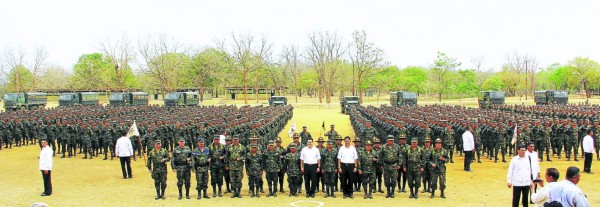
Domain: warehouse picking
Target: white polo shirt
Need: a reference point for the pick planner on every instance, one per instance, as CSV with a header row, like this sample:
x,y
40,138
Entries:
x,y
310,156
347,154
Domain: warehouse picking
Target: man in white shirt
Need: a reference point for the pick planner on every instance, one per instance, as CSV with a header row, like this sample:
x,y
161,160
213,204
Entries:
x,y
543,195
124,151
532,156
348,163
310,163
46,167
468,147
588,150
567,193
519,177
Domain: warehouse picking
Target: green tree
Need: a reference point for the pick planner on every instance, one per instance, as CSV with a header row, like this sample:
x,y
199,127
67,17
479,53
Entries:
x,y
92,72
443,65
19,79
204,67
411,78
493,83
583,71
466,85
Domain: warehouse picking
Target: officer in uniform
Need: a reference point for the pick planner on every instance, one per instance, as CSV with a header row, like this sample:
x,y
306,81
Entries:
x,y
546,137
272,165
437,165
181,165
402,174
378,165
292,161
449,141
359,150
201,157
234,159
305,136
281,174
414,167
254,140
329,162
426,175
369,132
331,134
390,155
254,169
157,159
217,165
366,169
226,174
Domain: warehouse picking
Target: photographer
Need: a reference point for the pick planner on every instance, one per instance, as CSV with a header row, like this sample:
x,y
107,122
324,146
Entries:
x,y
543,195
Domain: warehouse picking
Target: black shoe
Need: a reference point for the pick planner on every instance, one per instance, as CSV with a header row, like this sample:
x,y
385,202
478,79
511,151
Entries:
x,y
590,172
44,194
157,197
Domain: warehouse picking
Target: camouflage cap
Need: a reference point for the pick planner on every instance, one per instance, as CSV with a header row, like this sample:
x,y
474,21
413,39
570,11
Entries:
x,y
390,137
332,125
157,141
271,143
181,139
217,137
227,138
402,136
331,142
376,140
320,139
414,140
293,145
254,137
236,137
427,139
200,140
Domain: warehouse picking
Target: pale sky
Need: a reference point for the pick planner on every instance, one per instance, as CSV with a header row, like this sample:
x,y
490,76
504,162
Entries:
x,y
409,32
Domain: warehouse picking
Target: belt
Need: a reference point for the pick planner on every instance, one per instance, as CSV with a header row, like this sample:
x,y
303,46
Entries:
x,y
310,164
347,163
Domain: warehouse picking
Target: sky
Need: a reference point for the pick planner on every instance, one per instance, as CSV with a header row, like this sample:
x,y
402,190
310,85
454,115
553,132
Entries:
x,y
409,32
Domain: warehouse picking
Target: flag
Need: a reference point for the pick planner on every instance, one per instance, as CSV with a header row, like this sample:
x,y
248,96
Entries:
x,y
133,130
514,139
292,129
323,126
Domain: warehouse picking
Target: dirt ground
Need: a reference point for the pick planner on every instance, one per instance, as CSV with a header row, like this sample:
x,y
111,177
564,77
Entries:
x,y
96,182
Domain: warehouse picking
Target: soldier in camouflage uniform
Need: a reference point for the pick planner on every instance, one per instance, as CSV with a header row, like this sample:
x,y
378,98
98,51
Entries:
x,y
574,141
157,159
254,169
226,173
501,145
87,142
272,165
331,134
426,175
201,158
369,132
596,130
414,167
366,168
281,174
329,160
390,155
305,135
437,165
298,145
292,162
449,141
217,165
236,154
378,165
402,174
254,140
546,136
359,150
181,165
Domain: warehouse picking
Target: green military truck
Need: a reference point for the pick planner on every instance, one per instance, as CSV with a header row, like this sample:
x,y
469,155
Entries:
x,y
129,99
400,98
488,98
550,97
348,101
182,99
81,98
22,101
277,101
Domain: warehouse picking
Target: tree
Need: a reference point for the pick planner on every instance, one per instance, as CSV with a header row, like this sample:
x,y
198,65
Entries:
x,y
583,71
493,83
248,55
466,85
19,79
443,65
526,66
204,67
365,58
292,63
91,72
411,78
165,62
55,77
324,52
38,66
120,53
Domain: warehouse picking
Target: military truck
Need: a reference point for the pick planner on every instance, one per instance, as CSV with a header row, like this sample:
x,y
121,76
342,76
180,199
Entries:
x,y
82,98
348,101
400,98
550,97
277,101
129,99
182,99
488,98
22,101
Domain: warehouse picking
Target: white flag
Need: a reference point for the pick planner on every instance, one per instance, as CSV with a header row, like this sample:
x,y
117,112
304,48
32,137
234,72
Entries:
x,y
514,139
292,129
133,130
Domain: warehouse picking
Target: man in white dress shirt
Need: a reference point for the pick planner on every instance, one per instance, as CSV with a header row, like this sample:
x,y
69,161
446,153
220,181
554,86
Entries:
x,y
543,195
310,164
46,167
468,147
588,150
124,151
348,164
532,156
567,193
519,177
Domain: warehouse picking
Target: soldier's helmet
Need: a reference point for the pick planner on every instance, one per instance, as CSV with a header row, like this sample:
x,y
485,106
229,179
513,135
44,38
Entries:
x,y
296,135
338,137
414,140
278,140
391,137
376,140
368,142
438,140
321,139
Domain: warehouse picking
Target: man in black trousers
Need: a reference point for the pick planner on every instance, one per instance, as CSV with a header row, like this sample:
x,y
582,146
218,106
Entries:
x,y
468,148
124,150
348,163
310,164
588,150
46,167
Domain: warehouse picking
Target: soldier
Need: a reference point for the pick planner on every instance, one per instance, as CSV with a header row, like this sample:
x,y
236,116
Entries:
x,y
292,161
426,175
226,174
402,175
596,130
234,162
437,163
369,132
305,135
366,168
449,141
390,155
500,146
217,166
337,147
254,140
181,165
298,145
87,142
546,136
414,167
574,139
272,165
329,160
254,168
107,142
378,165
331,134
201,158
281,174
157,159
478,144
321,147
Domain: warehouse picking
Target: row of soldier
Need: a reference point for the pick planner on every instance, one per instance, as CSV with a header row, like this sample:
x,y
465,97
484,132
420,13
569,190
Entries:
x,y
93,130
493,129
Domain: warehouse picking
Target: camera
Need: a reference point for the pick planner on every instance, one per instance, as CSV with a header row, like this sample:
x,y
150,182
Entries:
x,y
537,180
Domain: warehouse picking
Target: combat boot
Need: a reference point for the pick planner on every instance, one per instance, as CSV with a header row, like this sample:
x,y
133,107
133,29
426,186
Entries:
x,y
180,194
270,193
416,193
261,189
220,194
233,193
366,194
157,194
251,193
199,195
392,192
214,192
432,193
442,195
227,190
206,194
327,192
412,195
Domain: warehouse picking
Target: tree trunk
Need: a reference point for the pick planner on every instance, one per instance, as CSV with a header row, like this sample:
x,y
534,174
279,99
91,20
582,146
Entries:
x,y
245,87
359,87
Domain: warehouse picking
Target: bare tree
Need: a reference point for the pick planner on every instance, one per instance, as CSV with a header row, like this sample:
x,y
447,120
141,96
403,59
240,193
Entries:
x,y
38,66
526,67
12,58
324,52
480,72
163,59
293,65
249,55
121,54
365,58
